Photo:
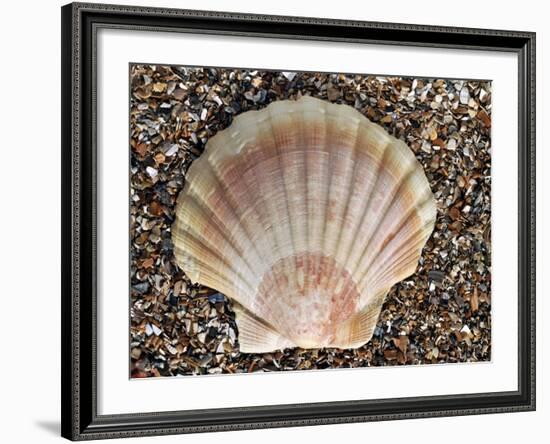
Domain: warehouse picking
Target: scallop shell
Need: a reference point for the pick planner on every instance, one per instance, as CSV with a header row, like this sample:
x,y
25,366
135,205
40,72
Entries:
x,y
304,214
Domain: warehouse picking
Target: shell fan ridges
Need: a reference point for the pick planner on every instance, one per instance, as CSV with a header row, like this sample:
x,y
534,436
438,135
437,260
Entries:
x,y
305,214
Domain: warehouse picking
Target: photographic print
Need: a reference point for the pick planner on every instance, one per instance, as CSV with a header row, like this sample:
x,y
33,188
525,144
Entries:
x,y
284,221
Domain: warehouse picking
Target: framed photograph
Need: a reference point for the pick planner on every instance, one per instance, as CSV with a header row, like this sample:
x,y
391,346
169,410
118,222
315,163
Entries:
x,y
278,221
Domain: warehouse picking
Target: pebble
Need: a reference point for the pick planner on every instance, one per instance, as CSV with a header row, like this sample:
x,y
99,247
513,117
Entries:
x,y
216,297
142,287
436,275
151,171
464,95
289,75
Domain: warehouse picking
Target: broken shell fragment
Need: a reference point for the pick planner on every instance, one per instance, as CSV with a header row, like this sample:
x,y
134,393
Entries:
x,y
304,214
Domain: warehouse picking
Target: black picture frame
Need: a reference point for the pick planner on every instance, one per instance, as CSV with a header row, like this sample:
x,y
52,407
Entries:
x,y
80,22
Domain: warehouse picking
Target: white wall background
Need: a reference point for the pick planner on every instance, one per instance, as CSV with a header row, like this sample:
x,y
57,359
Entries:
x,y
30,222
